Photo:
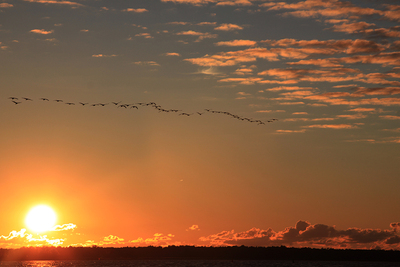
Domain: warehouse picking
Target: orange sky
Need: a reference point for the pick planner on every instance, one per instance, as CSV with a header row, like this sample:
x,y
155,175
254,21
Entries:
x,y
306,153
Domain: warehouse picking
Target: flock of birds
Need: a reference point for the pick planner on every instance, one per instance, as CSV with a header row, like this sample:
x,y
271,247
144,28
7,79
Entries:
x,y
18,101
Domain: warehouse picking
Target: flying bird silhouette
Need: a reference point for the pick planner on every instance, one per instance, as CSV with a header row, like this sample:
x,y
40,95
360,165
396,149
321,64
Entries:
x,y
155,106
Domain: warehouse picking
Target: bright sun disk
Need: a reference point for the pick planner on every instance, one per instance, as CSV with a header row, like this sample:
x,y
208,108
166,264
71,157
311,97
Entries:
x,y
40,218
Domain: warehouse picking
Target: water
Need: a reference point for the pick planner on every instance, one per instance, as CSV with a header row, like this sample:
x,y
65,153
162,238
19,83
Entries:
x,y
197,263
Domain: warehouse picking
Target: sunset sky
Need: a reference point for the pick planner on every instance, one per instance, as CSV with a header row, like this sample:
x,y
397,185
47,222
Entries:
x,y
201,122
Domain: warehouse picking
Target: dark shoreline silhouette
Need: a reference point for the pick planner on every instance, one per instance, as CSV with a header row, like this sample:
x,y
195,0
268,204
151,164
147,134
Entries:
x,y
196,253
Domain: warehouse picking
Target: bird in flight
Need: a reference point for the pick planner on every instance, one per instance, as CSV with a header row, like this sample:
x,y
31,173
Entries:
x,y
155,106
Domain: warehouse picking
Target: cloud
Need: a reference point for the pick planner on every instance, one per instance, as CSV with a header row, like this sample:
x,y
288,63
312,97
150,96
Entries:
x,y
390,117
328,8
305,234
316,62
194,227
179,23
288,88
232,58
200,35
144,34
57,2
22,238
216,2
111,240
64,227
354,27
41,31
337,46
228,27
331,126
5,5
135,10
236,43
270,111
392,12
373,110
172,54
352,116
290,131
102,55
149,63
206,23
247,81
192,2
157,240
235,3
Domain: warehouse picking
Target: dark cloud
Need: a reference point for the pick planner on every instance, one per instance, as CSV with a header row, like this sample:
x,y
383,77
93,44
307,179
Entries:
x,y
306,234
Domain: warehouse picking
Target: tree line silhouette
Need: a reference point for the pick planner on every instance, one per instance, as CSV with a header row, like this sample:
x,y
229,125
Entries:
x,y
196,253
159,108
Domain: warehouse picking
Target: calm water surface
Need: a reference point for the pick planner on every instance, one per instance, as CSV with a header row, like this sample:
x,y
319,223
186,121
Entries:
x,y
195,263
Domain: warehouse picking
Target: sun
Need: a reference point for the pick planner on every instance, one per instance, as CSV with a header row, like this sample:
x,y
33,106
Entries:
x,y
40,218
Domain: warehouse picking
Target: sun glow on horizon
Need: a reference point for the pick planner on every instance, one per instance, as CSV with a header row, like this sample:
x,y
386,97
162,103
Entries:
x,y
41,218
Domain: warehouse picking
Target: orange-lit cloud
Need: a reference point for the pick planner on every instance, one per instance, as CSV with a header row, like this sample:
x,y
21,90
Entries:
x,y
200,35
290,131
234,57
145,35
5,5
228,27
102,55
135,10
194,227
390,117
172,54
288,88
58,2
250,80
332,126
236,43
235,3
41,31
217,2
